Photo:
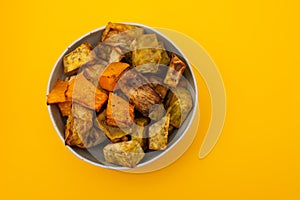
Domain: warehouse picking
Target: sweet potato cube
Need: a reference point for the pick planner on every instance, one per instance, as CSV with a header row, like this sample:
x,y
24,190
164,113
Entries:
x,y
119,112
111,75
86,94
75,59
57,94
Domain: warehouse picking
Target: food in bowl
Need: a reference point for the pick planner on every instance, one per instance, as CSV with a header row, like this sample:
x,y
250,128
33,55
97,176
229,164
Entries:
x,y
127,94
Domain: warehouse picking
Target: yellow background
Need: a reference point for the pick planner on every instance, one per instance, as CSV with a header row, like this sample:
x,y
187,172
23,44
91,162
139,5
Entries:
x,y
254,43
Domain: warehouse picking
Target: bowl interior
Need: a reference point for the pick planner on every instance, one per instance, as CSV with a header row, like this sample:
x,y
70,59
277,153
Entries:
x,y
95,155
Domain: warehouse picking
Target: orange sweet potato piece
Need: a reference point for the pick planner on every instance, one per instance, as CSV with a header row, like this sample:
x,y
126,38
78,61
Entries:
x,y
57,94
65,108
111,75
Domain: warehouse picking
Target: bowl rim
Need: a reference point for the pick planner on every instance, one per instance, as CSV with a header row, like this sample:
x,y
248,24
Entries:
x,y
165,152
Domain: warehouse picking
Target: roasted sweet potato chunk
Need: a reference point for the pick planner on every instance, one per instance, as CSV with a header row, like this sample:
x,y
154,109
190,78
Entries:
x,y
139,131
58,93
139,91
75,59
86,94
119,112
114,134
111,75
127,154
158,134
146,55
65,108
115,28
178,103
175,71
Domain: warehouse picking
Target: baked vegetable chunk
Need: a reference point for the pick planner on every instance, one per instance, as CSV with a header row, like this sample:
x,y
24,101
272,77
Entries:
x,y
58,93
146,55
178,104
139,131
119,112
86,94
175,71
158,134
79,56
79,129
127,154
111,75
140,92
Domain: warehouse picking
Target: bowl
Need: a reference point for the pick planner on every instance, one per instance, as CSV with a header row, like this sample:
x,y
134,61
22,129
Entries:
x,y
178,142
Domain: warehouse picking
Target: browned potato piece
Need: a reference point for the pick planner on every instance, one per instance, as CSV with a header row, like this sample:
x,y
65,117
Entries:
x,y
139,91
108,52
114,134
165,59
79,131
157,112
77,58
139,131
115,28
111,75
158,134
86,94
57,94
146,55
127,154
87,139
175,71
178,103
119,112
93,72
159,86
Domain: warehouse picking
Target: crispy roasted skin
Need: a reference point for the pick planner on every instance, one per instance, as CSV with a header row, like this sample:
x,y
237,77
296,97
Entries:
x,y
58,93
158,134
119,112
175,71
146,55
127,154
139,91
178,103
86,94
78,57
111,75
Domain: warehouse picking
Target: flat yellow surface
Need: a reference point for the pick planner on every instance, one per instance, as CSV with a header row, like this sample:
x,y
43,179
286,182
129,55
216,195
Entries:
x,y
255,44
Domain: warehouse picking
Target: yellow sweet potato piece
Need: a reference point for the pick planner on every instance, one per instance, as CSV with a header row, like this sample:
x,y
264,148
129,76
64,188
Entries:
x,y
75,59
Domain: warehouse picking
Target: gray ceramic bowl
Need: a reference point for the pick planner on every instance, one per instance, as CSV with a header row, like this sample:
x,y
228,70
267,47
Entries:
x,y
179,141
